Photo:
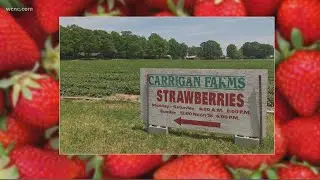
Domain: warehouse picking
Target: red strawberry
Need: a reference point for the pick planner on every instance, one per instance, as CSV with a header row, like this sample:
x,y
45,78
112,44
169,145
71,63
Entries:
x,y
18,50
193,167
303,135
162,4
33,163
34,99
261,7
48,11
283,111
139,9
255,161
297,78
2,102
224,8
294,171
301,14
164,13
31,25
119,9
130,166
18,133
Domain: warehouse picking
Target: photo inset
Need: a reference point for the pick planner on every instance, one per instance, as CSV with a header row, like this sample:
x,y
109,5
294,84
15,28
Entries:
x,y
166,85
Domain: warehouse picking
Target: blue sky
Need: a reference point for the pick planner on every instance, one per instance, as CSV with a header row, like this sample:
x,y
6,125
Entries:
x,y
190,30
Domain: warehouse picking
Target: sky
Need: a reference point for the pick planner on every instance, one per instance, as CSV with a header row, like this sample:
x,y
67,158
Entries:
x,y
190,30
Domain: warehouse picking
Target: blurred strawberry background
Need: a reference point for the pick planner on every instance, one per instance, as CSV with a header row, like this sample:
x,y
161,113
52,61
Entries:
x,y
29,95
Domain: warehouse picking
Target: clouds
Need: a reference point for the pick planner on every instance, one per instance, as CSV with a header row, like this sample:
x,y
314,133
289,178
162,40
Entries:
x,y
191,30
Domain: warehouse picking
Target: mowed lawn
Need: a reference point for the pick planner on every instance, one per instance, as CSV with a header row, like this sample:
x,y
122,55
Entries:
x,y
108,127
100,78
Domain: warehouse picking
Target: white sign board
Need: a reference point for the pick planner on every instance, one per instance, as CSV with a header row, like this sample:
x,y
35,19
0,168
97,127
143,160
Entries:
x,y
228,101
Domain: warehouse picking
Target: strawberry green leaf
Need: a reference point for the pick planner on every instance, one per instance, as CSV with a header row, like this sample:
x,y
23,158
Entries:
x,y
271,174
296,38
95,164
49,132
284,46
100,9
263,167
17,4
16,94
54,143
314,46
33,84
26,93
2,151
9,173
180,4
38,76
256,175
166,158
4,161
5,83
279,165
3,123
111,4
35,67
5,4
277,58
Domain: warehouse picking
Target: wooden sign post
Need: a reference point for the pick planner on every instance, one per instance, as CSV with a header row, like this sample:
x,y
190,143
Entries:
x,y
227,101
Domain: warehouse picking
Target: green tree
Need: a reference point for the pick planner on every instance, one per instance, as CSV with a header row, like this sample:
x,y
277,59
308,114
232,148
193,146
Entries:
x,y
174,48
211,50
233,52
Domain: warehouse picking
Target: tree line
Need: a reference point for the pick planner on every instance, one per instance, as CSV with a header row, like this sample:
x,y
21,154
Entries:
x,y
77,42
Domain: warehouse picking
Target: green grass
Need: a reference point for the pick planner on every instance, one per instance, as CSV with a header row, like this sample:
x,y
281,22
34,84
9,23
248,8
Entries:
x,y
107,127
99,78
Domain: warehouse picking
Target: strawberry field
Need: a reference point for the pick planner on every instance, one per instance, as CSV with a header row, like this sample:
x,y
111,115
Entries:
x,y
100,78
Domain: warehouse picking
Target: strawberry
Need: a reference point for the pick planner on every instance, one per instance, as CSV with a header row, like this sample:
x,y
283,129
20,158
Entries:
x,y
33,163
139,9
34,98
102,9
283,111
219,8
303,135
130,166
255,161
19,133
300,14
48,11
294,171
162,4
193,167
297,78
164,13
261,7
31,25
18,50
2,102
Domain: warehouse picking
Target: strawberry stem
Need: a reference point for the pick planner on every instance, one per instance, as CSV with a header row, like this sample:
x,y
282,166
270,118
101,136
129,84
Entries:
x,y
95,163
177,10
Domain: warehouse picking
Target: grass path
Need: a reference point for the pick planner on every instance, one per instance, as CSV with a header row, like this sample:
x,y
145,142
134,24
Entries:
x,y
108,126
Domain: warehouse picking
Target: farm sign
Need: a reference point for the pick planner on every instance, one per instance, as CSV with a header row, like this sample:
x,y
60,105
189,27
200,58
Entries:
x,y
225,101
